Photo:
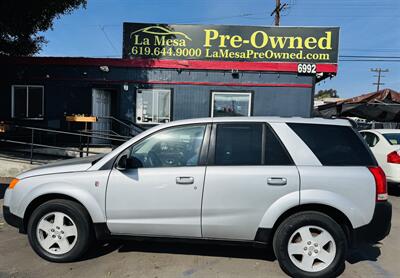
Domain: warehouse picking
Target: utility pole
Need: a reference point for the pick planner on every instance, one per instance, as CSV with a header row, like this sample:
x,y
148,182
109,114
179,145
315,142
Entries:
x,y
379,71
277,11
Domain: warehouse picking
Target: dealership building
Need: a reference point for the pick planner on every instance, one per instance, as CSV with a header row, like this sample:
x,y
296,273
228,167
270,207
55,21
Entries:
x,y
173,72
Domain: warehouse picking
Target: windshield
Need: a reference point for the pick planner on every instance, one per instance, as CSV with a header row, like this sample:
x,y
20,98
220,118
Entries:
x,y
393,138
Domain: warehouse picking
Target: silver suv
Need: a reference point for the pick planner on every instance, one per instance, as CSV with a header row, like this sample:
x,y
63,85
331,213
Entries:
x,y
309,187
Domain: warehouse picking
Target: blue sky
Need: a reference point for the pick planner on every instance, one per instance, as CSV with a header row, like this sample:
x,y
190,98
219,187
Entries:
x,y
368,27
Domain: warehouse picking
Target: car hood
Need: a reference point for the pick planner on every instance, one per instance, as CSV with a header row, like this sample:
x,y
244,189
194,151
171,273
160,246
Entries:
x,y
64,166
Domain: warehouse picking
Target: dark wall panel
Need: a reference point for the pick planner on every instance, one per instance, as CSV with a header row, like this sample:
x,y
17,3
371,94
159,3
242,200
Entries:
x,y
5,100
62,98
68,90
190,102
282,102
127,104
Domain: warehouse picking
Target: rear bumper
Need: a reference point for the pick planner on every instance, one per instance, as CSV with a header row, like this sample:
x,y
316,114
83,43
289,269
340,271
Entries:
x,y
378,228
392,171
12,219
393,179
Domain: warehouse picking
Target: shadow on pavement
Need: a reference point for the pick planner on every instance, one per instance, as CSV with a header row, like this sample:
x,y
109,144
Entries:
x,y
394,189
201,249
100,249
365,252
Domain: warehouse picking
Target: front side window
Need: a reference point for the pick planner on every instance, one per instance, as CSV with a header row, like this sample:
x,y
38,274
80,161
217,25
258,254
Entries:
x,y
153,106
226,104
27,102
173,147
238,144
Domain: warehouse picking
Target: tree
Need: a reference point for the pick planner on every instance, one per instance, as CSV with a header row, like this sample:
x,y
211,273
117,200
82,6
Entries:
x,y
21,21
326,93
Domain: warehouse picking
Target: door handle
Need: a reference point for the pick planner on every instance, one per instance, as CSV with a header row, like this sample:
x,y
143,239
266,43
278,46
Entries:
x,y
184,180
277,181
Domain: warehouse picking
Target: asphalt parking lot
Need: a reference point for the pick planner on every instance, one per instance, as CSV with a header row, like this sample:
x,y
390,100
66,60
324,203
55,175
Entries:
x,y
151,259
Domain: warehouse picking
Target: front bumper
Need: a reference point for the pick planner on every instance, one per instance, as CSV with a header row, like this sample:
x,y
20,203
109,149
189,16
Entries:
x,y
379,227
12,219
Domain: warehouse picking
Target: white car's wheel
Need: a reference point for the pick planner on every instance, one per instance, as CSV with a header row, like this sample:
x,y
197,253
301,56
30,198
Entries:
x,y
310,244
311,248
59,230
57,233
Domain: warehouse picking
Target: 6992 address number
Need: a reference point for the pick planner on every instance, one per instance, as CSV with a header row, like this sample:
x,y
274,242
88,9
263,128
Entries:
x,y
307,68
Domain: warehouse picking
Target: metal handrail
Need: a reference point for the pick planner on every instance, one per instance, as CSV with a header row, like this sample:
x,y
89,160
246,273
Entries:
x,y
116,135
45,146
88,136
114,119
131,124
69,133
136,126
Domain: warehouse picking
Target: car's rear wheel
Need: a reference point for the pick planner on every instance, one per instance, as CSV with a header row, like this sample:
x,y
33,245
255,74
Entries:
x,y
310,244
59,230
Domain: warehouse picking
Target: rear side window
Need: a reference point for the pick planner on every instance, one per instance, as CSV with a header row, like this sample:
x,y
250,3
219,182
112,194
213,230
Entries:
x,y
275,152
238,144
370,138
393,138
334,145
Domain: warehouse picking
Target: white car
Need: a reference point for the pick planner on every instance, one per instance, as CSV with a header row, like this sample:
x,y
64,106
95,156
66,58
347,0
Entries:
x,y
308,187
385,145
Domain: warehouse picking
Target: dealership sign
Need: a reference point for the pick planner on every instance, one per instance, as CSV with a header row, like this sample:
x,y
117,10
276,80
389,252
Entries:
x,y
308,45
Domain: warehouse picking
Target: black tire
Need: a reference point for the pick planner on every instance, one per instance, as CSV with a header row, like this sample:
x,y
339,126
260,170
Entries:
x,y
82,222
309,218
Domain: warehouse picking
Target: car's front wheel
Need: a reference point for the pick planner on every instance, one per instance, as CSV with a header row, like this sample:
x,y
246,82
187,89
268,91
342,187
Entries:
x,y
310,244
59,230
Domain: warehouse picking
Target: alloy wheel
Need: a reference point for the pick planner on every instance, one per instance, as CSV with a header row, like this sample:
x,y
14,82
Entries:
x,y
311,248
57,233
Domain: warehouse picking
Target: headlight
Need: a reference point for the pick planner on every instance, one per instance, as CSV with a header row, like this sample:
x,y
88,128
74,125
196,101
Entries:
x,y
13,183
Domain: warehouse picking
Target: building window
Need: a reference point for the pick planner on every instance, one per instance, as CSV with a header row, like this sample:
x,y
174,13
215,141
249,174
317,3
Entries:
x,y
153,106
27,101
230,104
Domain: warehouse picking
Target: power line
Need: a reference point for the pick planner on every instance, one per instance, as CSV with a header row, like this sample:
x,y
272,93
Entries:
x,y
368,60
368,56
389,50
108,39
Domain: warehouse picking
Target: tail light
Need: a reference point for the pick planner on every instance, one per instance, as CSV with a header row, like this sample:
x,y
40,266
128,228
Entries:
x,y
393,157
380,183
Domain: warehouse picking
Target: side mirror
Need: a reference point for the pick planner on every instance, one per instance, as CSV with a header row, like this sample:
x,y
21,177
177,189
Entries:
x,y
126,162
122,163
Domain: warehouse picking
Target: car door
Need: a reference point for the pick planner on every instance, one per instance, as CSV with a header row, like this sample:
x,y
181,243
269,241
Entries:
x,y
160,195
248,170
